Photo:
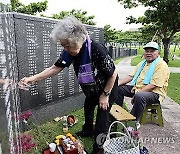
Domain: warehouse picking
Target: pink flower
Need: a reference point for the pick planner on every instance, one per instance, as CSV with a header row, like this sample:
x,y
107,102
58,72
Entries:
x,y
135,134
25,115
26,143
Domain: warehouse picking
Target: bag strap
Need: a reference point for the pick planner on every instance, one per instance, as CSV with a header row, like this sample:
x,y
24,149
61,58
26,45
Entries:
x,y
127,132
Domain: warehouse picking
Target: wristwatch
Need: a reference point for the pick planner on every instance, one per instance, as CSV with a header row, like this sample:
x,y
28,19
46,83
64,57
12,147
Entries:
x,y
106,93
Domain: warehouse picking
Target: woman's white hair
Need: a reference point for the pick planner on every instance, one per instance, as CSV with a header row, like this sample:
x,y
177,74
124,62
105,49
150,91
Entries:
x,y
70,29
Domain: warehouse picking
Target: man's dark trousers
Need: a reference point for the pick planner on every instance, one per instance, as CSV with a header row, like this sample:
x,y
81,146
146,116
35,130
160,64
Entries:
x,y
140,99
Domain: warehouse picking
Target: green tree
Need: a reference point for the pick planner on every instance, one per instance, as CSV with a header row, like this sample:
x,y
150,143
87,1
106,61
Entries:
x,y
130,37
32,8
162,16
110,34
79,14
176,38
176,41
3,7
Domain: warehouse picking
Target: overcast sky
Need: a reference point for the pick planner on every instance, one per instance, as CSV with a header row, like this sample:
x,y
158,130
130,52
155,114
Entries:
x,y
105,11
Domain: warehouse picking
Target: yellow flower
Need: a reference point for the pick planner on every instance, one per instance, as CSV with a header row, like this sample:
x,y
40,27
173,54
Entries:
x,y
73,138
57,142
69,135
59,137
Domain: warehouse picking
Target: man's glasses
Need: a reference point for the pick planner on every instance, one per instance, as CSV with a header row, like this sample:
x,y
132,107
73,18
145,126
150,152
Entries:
x,y
150,51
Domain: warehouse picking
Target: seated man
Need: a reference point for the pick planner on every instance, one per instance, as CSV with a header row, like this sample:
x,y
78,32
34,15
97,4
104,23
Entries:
x,y
149,81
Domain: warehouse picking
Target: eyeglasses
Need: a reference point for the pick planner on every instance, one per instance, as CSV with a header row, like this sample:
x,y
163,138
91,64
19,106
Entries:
x,y
150,51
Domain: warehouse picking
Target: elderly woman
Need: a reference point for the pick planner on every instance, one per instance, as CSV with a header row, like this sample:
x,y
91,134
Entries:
x,y
94,69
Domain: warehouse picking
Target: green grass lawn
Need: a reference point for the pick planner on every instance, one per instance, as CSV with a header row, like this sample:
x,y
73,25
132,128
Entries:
x,y
118,60
174,87
136,60
51,129
174,63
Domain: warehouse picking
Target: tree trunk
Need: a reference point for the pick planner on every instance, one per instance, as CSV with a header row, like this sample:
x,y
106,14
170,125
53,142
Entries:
x,y
175,47
159,41
166,42
140,44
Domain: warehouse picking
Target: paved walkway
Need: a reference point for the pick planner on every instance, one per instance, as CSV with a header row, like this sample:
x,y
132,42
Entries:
x,y
158,140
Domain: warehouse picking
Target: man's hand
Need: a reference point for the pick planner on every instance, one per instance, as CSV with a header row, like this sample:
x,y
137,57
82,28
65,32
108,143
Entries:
x,y
124,81
104,102
132,100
